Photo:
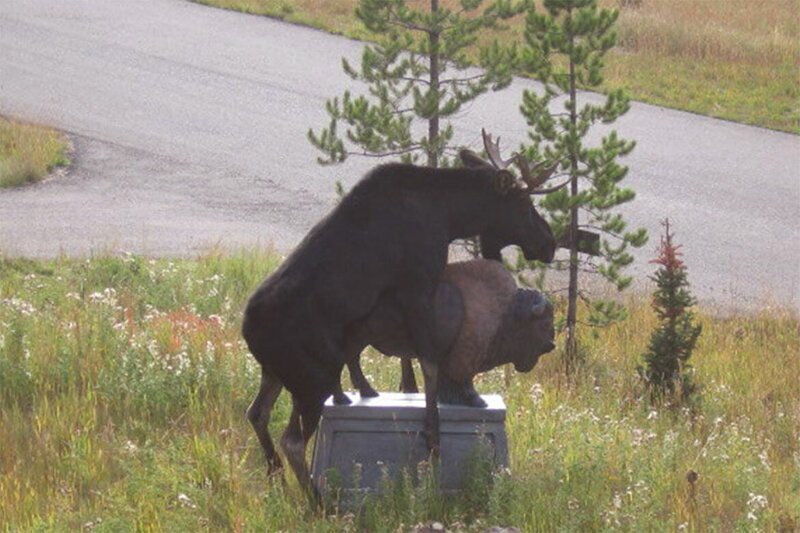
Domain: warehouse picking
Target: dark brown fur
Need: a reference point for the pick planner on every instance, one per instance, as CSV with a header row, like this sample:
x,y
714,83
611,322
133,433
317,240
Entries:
x,y
390,234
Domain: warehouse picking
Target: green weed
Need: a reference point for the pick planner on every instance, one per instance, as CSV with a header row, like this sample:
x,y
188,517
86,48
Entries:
x,y
124,382
28,153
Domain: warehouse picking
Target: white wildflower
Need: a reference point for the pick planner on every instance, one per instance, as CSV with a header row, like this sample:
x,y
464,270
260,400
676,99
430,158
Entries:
x,y
764,458
537,393
757,501
572,504
107,296
152,347
185,501
20,306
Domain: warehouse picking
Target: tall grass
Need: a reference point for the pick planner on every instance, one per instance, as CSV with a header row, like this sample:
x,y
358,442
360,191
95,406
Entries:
x,y
735,31
736,59
28,152
124,381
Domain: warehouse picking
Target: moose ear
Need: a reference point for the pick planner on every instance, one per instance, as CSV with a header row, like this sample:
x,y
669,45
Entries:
x,y
472,160
504,181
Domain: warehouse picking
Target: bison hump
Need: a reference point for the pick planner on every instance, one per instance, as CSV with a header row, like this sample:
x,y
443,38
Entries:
x,y
449,315
487,289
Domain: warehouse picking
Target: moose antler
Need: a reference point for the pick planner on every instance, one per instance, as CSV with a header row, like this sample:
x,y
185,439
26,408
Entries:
x,y
493,150
533,178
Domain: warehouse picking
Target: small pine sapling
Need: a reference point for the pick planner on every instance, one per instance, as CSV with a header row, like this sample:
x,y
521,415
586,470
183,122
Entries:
x,y
666,368
565,43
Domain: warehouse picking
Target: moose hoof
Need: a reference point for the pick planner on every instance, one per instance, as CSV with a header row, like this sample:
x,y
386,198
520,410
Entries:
x,y
476,401
432,442
369,393
274,467
433,449
341,399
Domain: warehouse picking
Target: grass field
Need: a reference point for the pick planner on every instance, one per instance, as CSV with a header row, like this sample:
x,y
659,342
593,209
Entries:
x,y
124,381
732,59
28,152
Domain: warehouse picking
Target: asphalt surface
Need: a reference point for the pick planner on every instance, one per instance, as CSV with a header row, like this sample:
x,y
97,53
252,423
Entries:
x,y
189,127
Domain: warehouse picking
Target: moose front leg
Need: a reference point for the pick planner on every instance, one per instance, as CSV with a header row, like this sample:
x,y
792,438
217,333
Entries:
x,y
417,304
430,372
339,397
408,383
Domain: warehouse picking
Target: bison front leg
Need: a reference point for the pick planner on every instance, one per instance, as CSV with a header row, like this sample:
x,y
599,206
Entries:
x,y
459,393
358,378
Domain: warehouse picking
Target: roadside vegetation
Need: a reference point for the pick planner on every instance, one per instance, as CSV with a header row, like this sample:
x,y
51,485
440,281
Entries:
x,y
124,382
736,60
28,152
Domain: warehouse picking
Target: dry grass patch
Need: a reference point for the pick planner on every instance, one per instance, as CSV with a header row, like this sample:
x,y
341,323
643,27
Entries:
x,y
28,152
733,59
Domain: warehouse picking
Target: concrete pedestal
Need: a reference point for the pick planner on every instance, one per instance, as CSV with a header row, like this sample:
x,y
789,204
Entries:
x,y
358,445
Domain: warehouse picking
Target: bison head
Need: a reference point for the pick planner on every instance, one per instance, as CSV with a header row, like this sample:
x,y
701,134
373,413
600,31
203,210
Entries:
x,y
526,332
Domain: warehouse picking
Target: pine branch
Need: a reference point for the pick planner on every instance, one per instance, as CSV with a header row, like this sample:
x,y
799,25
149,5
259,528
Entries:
x,y
411,148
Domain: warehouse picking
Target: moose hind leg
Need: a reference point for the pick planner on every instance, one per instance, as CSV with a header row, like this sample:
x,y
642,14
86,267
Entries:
x,y
259,414
302,425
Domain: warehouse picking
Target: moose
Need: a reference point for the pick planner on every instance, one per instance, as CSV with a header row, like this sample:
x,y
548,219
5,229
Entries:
x,y
482,320
389,233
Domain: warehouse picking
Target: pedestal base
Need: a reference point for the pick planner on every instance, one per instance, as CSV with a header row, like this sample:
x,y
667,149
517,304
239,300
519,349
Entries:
x,y
360,446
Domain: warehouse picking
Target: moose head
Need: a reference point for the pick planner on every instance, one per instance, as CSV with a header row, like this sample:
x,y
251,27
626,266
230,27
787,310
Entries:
x,y
521,224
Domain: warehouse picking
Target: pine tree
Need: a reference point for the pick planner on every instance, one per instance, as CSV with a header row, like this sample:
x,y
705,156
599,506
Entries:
x,y
667,369
415,74
564,48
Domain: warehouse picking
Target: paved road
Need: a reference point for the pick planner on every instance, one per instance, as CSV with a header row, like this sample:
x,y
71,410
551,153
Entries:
x,y
189,131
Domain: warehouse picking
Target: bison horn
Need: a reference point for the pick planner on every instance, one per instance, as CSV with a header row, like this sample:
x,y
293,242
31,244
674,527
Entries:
x,y
539,304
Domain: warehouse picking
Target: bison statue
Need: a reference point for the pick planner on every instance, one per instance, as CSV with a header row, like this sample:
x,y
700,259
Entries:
x,y
482,321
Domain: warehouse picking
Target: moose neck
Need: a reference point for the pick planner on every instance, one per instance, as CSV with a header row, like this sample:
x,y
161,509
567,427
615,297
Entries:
x,y
469,212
